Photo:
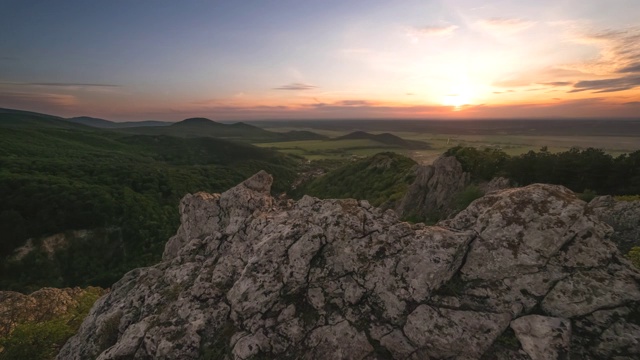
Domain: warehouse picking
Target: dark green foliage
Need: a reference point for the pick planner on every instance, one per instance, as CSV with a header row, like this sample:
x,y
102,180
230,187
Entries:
x,y
587,195
482,164
126,188
379,179
634,256
589,171
466,196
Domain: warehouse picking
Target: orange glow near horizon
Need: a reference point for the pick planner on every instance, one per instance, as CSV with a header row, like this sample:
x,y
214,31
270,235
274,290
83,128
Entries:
x,y
369,59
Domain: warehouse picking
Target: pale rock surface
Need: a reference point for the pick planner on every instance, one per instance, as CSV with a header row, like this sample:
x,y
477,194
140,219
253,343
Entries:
x,y
623,216
246,277
543,337
41,305
432,193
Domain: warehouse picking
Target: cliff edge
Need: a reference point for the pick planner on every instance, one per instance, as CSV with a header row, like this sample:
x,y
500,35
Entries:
x,y
525,273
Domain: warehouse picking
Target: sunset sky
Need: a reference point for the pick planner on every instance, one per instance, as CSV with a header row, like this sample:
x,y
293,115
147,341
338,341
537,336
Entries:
x,y
241,60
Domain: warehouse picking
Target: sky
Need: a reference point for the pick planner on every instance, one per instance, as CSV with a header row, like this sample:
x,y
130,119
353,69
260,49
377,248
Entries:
x,y
324,59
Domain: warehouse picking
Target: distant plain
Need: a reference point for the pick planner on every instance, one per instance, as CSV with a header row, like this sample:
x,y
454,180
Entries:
x,y
615,138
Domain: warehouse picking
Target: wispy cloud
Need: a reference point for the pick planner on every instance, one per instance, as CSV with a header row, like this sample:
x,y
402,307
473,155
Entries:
x,y
58,84
435,30
36,100
632,68
296,86
618,50
607,85
506,25
556,83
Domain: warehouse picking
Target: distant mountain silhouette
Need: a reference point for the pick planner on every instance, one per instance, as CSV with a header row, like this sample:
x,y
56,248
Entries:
x,y
187,128
27,119
387,139
108,124
196,122
203,127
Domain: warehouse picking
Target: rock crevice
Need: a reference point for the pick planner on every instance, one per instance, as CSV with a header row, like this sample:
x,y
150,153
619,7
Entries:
x,y
525,273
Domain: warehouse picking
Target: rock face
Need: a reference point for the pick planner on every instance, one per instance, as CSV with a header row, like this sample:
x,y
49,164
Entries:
x,y
42,305
623,216
523,273
433,191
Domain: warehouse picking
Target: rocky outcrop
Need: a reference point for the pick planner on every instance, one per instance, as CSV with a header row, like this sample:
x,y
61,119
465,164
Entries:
x,y
623,216
42,305
524,273
432,194
495,184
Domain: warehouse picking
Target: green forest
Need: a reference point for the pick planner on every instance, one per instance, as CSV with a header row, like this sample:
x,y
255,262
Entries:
x,y
126,187
57,177
581,170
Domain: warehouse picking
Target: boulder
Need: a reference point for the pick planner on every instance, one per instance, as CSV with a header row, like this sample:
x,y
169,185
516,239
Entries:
x,y
623,216
432,194
525,273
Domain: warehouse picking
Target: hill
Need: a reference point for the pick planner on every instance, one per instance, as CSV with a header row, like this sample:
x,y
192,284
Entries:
x,y
203,127
381,179
10,118
102,200
386,139
107,124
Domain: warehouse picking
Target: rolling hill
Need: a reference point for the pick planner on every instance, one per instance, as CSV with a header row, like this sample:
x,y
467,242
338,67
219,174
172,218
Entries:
x,y
202,127
386,139
107,124
120,190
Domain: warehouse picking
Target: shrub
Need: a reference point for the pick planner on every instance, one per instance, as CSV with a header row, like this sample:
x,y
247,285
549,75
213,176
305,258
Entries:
x,y
466,196
634,256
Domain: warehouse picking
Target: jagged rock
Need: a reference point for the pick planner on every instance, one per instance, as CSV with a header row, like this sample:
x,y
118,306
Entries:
x,y
623,216
42,305
433,191
543,337
246,277
495,184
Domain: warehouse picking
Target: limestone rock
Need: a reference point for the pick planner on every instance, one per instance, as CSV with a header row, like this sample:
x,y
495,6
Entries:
x,y
246,277
42,305
433,191
543,337
623,216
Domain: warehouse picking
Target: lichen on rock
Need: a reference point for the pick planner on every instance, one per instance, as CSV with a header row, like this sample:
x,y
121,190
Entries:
x,y
248,277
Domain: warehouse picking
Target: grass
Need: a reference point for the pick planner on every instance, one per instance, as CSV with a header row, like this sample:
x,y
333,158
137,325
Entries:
x,y
510,144
336,149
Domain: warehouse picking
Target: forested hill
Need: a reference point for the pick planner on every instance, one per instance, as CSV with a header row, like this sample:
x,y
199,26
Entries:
x,y
57,176
379,179
581,170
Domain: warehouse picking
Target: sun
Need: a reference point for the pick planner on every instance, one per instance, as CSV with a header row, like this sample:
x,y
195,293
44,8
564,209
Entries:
x,y
456,100
458,96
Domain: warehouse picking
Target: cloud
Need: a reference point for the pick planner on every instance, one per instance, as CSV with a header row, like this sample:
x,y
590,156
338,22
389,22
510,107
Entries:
x,y
630,68
506,25
55,84
296,86
556,83
432,30
618,50
607,85
355,103
59,84
36,101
